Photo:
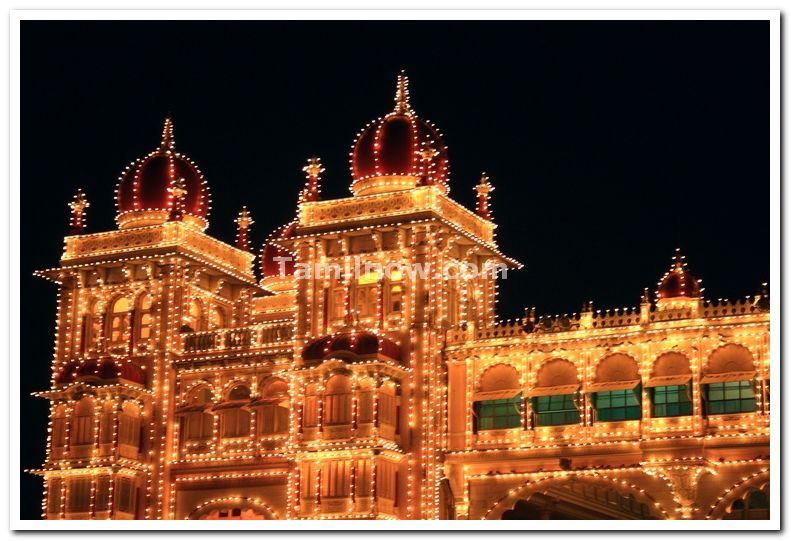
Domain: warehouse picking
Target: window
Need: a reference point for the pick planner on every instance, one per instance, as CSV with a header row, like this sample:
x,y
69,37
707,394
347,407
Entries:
x,y
365,403
671,401
498,414
621,405
216,318
556,410
730,397
54,495
79,495
274,414
338,303
386,480
192,319
125,495
338,401
144,326
335,479
198,424
387,409
129,426
82,423
396,293
366,294
103,493
119,320
93,327
107,423
59,428
240,392
310,411
236,420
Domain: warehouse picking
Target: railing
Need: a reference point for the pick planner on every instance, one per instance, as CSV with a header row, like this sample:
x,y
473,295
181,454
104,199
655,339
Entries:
x,y
613,318
262,335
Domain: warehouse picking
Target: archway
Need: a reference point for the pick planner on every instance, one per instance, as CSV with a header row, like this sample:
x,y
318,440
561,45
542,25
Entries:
x,y
233,509
577,497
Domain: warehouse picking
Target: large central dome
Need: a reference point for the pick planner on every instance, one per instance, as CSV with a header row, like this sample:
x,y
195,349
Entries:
x,y
399,151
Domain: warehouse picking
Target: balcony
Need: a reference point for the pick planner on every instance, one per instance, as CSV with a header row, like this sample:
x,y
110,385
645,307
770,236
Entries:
x,y
260,336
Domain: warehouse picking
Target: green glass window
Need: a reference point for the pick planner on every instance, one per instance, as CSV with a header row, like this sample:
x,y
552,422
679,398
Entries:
x,y
498,414
671,401
556,410
730,397
622,405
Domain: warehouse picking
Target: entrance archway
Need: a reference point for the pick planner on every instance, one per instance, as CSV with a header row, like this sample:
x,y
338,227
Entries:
x,y
233,509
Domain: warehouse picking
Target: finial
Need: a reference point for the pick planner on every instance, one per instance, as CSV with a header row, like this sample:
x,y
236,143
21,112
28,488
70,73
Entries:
x,y
243,222
678,259
168,142
402,94
178,190
484,188
313,171
646,299
78,206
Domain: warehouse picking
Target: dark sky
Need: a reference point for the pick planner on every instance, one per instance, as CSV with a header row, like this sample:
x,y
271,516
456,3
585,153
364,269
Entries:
x,y
609,143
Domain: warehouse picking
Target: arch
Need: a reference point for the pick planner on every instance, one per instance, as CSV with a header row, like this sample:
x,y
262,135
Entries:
x,y
499,377
216,317
200,393
730,359
617,367
612,486
193,316
670,369
240,391
557,372
213,510
197,420
738,491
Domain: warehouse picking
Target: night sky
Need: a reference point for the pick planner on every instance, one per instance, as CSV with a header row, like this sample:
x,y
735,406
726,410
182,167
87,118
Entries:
x,y
609,143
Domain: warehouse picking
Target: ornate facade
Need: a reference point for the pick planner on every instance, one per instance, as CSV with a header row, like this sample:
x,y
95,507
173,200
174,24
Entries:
x,y
365,374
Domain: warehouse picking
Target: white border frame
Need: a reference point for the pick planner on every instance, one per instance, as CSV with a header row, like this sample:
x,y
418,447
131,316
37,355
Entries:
x,y
13,308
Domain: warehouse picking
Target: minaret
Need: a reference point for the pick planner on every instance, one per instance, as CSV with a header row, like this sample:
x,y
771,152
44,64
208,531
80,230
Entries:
x,y
484,188
313,170
243,223
178,192
78,206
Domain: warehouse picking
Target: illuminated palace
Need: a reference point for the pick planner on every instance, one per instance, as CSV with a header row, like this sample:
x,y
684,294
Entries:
x,y
184,386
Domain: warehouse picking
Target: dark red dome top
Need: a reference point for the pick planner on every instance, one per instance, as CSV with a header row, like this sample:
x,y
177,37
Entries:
x,y
144,184
678,282
105,369
351,340
400,143
271,266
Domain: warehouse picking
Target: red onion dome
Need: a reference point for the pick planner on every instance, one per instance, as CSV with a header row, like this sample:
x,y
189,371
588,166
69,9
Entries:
x,y
399,151
144,196
678,282
271,253
103,369
351,341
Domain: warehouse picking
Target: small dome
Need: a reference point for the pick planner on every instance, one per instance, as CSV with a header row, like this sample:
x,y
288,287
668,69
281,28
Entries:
x,y
678,282
104,369
271,253
351,341
143,190
398,151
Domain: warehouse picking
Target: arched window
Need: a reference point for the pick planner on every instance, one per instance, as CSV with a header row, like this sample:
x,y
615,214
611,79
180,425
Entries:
x,y
120,315
338,400
274,412
498,402
396,292
92,327
144,327
670,386
129,429
729,384
197,420
310,410
58,431
192,319
617,390
82,426
752,506
365,402
216,318
555,397
387,409
366,294
235,416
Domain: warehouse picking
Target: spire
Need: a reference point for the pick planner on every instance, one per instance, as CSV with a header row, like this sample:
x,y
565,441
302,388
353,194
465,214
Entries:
x,y
313,171
679,262
178,191
168,142
78,206
243,223
483,188
402,94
